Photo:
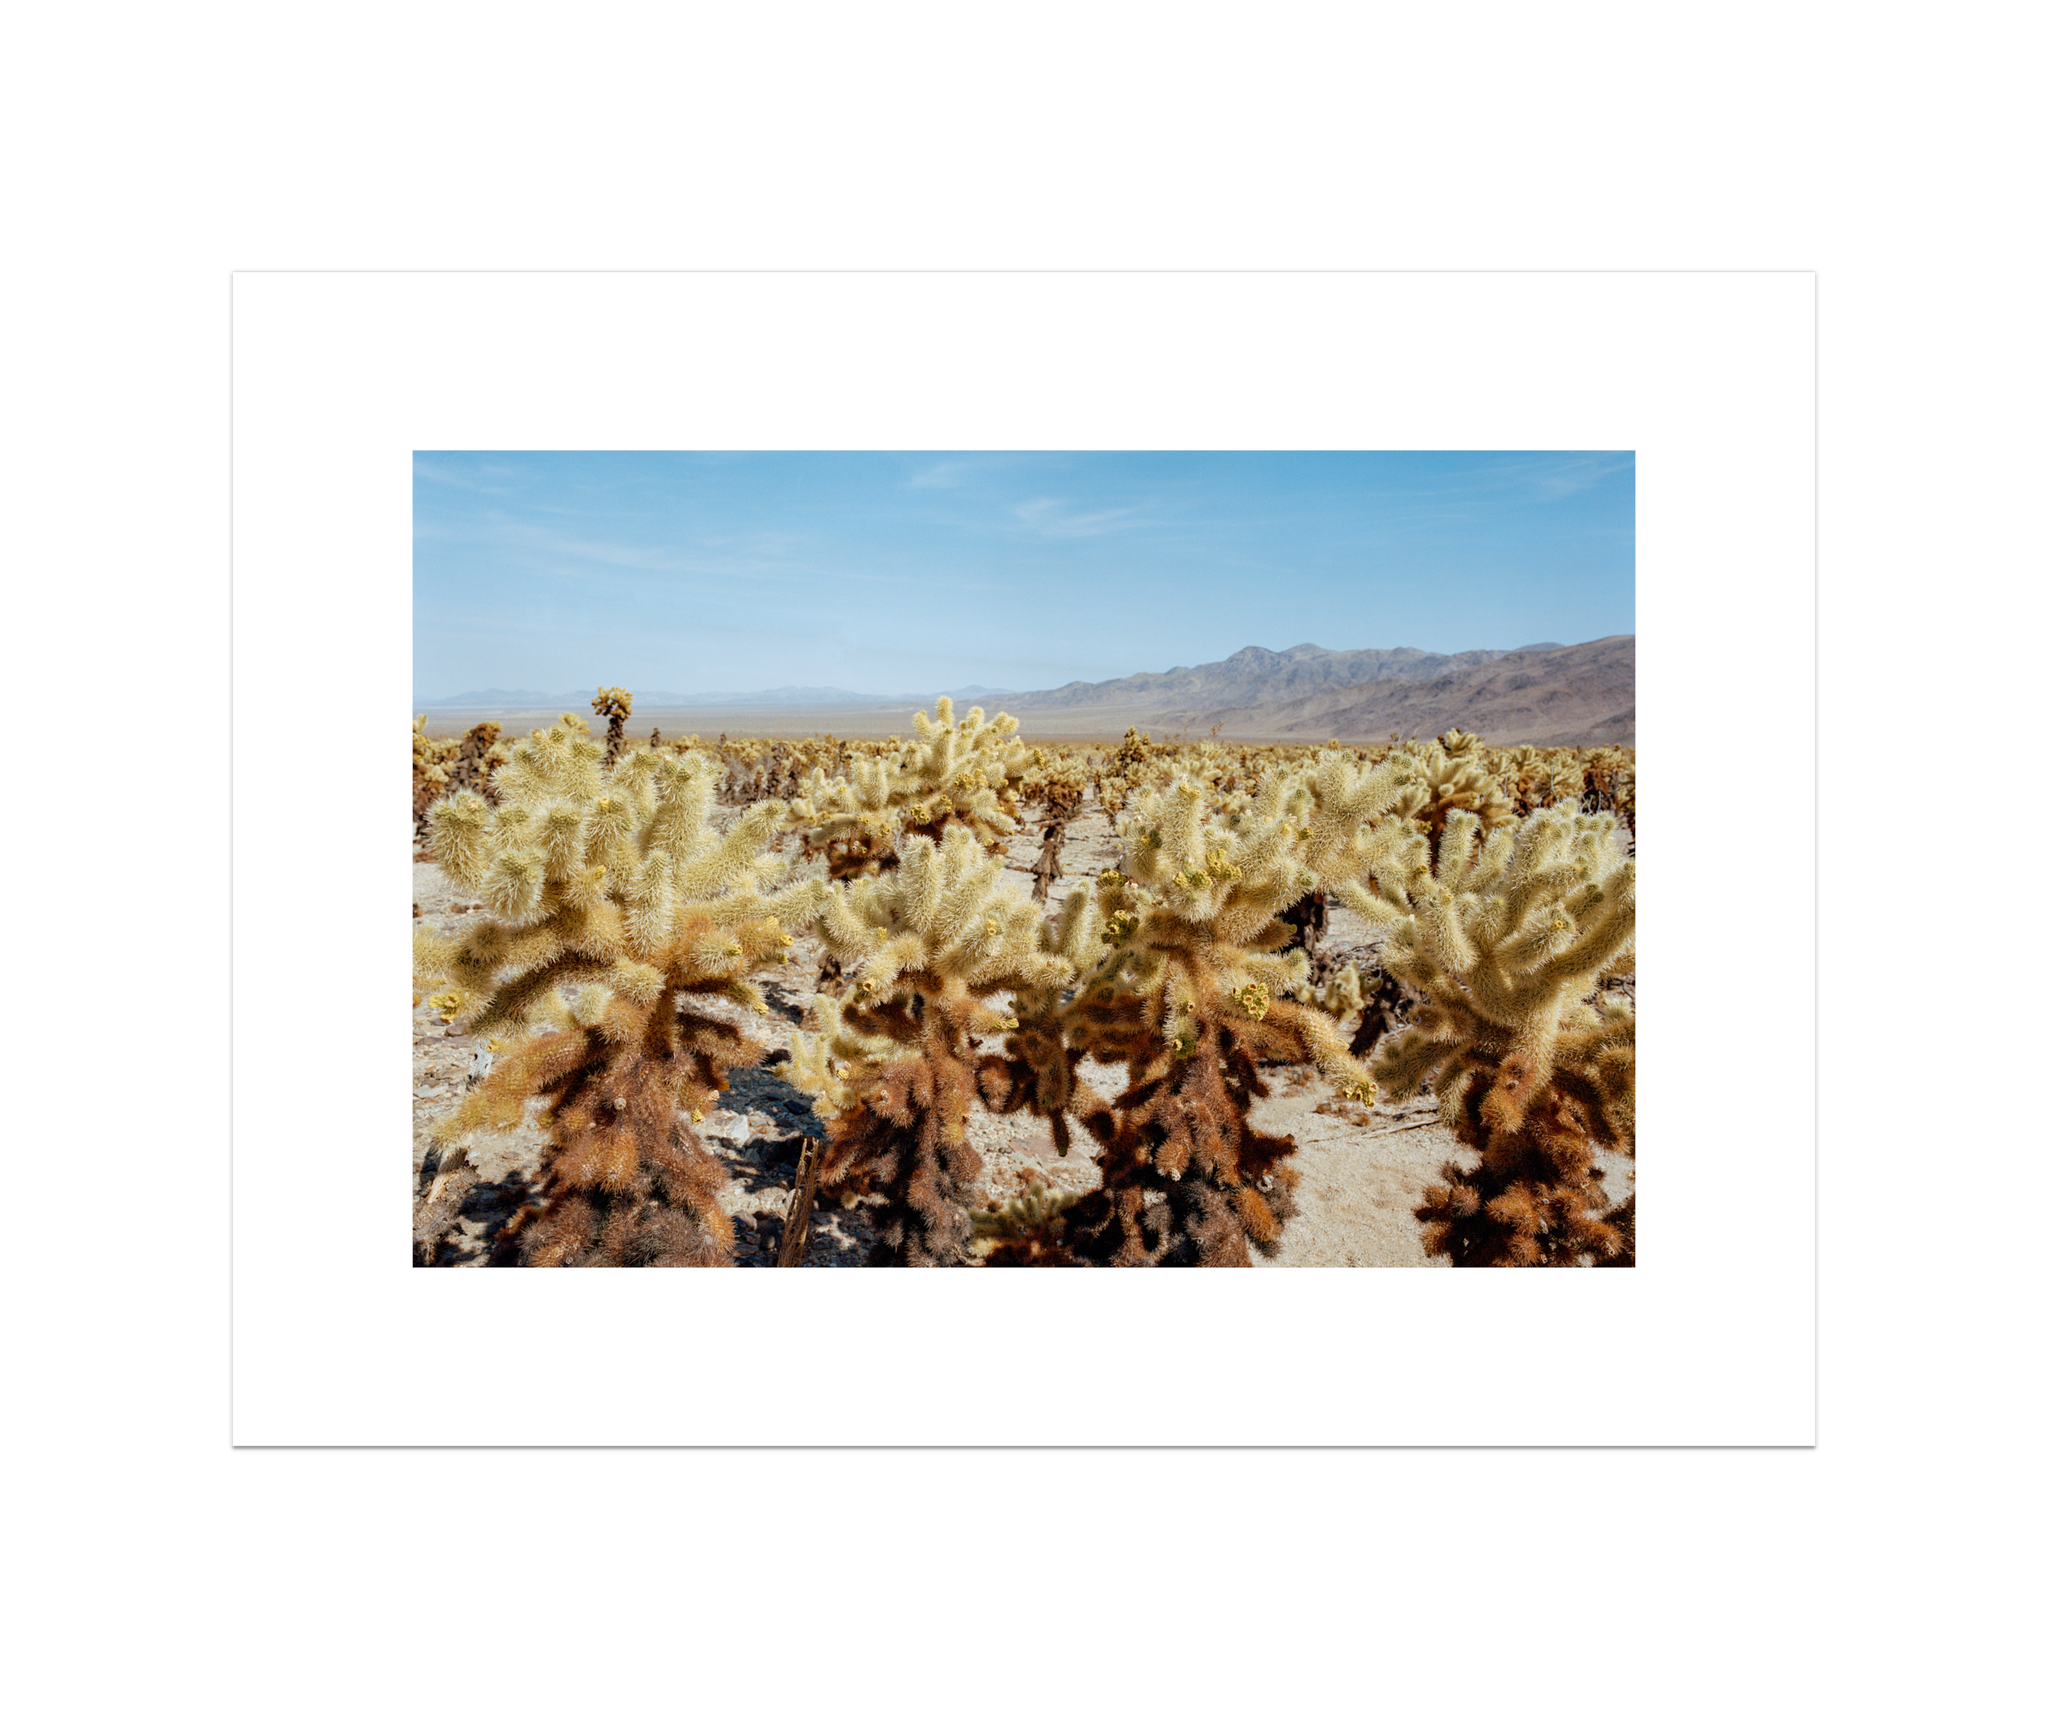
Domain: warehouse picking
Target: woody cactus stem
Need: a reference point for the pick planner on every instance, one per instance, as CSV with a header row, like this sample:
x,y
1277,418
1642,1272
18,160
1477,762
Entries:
x,y
1310,917
1046,871
616,703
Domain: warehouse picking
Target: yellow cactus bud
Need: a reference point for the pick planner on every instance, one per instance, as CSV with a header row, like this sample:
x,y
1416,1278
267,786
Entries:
x,y
1254,999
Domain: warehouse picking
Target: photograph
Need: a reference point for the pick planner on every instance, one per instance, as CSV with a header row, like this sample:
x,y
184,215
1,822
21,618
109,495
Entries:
x,y
1067,858
1087,808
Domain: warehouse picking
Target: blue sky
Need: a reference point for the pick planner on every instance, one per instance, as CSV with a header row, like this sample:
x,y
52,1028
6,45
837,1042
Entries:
x,y
907,573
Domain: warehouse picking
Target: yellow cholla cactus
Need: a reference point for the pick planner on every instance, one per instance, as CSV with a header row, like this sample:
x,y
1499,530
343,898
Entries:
x,y
616,911
1506,944
937,944
954,774
1186,987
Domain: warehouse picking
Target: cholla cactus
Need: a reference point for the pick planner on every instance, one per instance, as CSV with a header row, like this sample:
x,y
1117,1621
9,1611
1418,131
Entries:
x,y
1054,780
432,761
1504,945
1190,993
953,775
933,944
1039,1070
617,703
1537,778
1450,775
479,758
1030,1230
613,882
1610,777
1133,755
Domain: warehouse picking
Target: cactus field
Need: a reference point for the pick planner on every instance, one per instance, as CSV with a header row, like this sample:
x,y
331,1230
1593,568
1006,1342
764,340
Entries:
x,y
956,998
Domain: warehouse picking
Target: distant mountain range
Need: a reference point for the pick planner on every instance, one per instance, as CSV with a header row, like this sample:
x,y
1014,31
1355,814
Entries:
x,y
1258,676
1550,695
1538,694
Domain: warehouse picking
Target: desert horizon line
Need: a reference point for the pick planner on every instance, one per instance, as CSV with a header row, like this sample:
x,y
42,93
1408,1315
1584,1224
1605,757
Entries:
x,y
494,697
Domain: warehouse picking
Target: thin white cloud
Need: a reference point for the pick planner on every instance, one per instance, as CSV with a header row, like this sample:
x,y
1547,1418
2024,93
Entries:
x,y
454,479
1554,479
1522,480
768,557
1048,517
959,470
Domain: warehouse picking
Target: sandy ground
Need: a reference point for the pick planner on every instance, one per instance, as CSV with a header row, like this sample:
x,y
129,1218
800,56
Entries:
x,y
1362,1172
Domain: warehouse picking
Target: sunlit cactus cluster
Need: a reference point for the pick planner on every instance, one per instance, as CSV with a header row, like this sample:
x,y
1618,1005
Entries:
x,y
956,774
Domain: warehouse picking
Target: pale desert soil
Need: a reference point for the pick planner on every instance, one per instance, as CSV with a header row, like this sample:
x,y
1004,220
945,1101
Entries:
x,y
1362,1172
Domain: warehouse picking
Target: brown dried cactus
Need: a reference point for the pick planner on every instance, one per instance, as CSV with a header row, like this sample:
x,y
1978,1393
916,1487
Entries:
x,y
616,703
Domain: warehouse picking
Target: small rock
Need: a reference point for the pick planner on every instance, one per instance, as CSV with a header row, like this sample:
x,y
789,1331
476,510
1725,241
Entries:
x,y
724,1125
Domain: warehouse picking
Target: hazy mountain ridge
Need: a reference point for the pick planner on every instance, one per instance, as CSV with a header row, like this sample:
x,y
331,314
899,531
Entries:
x,y
1539,694
1573,695
1257,675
